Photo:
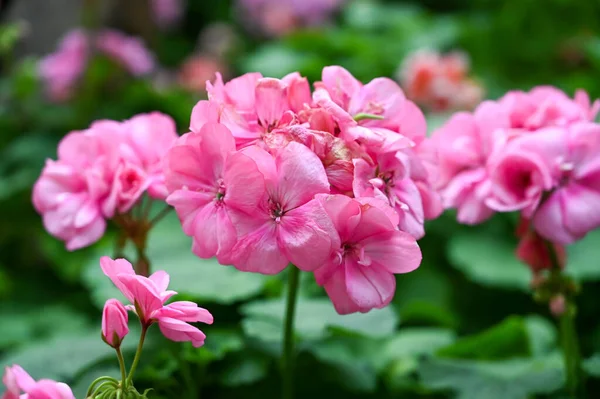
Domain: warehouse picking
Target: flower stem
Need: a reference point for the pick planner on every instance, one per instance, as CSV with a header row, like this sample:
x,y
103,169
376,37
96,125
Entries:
x,y
287,358
122,367
568,333
138,354
160,215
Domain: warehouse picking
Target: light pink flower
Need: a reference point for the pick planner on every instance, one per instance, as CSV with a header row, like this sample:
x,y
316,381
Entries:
x,y
439,81
61,70
546,106
114,323
196,70
148,296
20,385
570,211
130,52
71,191
287,226
463,147
167,12
359,276
208,182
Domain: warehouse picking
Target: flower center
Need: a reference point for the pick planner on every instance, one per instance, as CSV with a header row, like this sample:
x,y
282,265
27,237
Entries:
x,y
356,251
220,194
276,210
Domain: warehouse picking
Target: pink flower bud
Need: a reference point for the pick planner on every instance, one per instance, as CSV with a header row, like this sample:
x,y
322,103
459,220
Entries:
x,y
558,305
114,323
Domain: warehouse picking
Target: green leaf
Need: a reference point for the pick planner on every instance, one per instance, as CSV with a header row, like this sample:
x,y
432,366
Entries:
x,y
33,323
315,319
489,261
275,60
543,336
244,369
582,258
592,365
170,250
507,339
219,343
508,379
64,357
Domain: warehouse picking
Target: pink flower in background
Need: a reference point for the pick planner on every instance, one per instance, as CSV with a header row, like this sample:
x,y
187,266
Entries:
x,y
288,225
71,190
61,70
546,106
534,251
20,385
359,275
114,323
167,12
276,18
463,146
102,171
130,52
195,71
208,182
148,296
439,82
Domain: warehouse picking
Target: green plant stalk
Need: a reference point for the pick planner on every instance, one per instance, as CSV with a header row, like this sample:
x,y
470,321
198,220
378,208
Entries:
x,y
287,357
138,354
122,368
568,334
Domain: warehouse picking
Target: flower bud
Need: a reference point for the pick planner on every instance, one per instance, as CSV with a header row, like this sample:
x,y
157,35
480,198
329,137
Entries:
x,y
558,305
114,323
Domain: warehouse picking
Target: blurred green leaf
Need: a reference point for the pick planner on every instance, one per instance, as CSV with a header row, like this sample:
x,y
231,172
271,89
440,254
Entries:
x,y
592,365
244,369
29,324
275,60
508,379
583,258
488,260
314,320
543,336
505,340
170,250
219,343
64,357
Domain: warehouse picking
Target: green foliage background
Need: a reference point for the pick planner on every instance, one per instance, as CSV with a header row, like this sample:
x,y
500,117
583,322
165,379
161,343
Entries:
x,y
463,325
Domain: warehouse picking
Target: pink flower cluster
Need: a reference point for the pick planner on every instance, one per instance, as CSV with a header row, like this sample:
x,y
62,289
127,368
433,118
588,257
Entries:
x,y
439,82
167,12
148,296
100,172
536,152
20,385
62,69
278,17
337,181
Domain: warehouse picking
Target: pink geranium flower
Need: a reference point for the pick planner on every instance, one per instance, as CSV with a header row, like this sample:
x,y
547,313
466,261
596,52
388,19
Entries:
x,y
20,385
208,182
61,69
148,296
287,226
359,276
114,323
463,147
130,52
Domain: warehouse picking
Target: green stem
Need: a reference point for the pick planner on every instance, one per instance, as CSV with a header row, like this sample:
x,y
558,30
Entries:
x,y
568,333
122,367
287,357
570,345
160,215
138,354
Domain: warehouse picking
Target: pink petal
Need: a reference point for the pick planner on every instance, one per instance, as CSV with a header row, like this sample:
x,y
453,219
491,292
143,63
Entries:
x,y
87,235
144,293
373,221
186,311
305,235
187,204
245,185
549,219
271,101
240,91
185,167
340,84
382,205
369,286
217,143
203,112
395,251
381,93
180,331
344,212
259,251
214,232
337,291
160,279
264,161
412,122
113,269
300,176
581,211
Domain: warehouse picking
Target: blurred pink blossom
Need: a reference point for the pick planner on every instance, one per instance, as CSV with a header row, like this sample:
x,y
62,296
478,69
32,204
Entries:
x,y
130,52
167,12
20,385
